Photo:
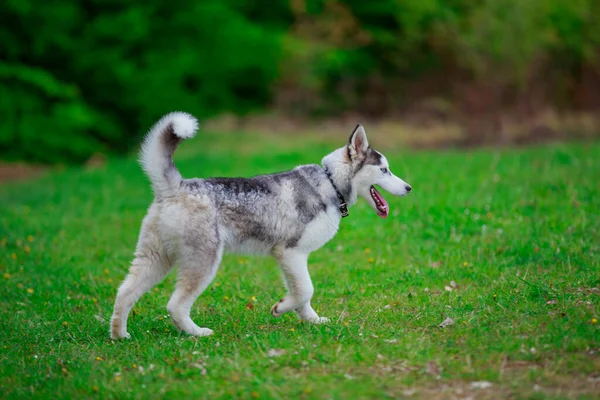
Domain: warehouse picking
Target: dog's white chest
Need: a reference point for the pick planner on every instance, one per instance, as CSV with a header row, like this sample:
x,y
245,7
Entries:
x,y
320,230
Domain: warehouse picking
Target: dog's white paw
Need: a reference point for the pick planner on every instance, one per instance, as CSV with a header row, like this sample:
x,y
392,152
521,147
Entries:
x,y
275,309
201,332
319,321
120,335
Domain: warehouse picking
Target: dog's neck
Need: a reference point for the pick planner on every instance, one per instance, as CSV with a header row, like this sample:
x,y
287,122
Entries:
x,y
343,206
340,175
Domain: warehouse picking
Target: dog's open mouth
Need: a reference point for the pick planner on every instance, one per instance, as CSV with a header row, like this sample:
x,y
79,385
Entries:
x,y
382,205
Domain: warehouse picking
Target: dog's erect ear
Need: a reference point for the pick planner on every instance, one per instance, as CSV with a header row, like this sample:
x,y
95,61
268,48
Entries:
x,y
358,143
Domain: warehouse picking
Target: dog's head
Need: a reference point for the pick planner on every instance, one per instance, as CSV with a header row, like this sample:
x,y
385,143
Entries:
x,y
365,168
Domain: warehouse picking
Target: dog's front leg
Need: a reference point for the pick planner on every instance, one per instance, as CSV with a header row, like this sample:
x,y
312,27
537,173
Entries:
x,y
306,313
294,266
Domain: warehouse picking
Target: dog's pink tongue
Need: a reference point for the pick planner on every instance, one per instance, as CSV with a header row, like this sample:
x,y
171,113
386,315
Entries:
x,y
382,206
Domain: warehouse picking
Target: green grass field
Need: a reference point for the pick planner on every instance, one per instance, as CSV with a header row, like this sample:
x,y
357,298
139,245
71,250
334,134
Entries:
x,y
505,243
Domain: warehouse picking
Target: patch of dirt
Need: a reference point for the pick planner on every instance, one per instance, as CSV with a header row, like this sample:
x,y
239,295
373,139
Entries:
x,y
573,389
424,127
19,171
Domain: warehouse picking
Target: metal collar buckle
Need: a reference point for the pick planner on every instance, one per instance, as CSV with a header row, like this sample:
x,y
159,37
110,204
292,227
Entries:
x,y
344,210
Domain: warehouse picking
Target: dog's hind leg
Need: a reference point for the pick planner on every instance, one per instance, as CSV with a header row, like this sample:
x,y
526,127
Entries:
x,y
197,268
147,269
294,266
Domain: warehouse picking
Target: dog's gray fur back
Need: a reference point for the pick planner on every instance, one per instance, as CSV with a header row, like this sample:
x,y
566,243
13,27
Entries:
x,y
268,210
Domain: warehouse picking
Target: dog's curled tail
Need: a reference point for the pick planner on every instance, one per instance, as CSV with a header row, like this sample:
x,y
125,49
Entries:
x,y
158,147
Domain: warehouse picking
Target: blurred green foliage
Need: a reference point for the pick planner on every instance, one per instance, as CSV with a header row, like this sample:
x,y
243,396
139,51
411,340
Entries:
x,y
79,77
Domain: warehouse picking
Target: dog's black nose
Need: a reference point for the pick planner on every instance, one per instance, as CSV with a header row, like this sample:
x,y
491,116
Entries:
x,y
408,188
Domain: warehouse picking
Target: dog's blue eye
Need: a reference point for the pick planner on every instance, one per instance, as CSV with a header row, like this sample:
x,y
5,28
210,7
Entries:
x,y
384,170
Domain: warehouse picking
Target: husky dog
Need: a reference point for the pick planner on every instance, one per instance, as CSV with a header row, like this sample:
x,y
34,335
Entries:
x,y
287,215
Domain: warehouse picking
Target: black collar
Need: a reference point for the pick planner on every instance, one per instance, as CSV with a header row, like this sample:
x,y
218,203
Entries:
x,y
343,206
